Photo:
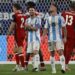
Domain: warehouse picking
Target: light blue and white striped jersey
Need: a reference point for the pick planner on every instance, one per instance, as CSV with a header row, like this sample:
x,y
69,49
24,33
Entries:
x,y
34,35
54,25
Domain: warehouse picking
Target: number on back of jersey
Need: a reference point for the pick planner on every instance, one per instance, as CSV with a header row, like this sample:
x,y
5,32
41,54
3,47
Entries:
x,y
22,22
69,20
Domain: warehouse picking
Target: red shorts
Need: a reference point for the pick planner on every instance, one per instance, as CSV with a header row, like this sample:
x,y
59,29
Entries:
x,y
19,38
19,41
70,44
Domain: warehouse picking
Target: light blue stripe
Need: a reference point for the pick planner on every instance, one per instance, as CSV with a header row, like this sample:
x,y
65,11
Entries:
x,y
48,29
53,28
60,26
37,23
31,36
49,33
36,37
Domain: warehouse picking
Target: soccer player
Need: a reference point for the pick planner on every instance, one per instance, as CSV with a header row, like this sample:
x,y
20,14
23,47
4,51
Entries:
x,y
42,65
69,16
34,38
18,25
54,25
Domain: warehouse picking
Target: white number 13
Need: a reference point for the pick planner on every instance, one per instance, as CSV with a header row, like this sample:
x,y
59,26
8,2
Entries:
x,y
69,20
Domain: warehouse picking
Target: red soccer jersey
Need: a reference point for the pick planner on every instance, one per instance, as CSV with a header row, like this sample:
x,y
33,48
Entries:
x,y
69,17
19,19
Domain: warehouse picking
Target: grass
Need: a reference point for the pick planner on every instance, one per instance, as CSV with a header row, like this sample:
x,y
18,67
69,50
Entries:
x,y
7,70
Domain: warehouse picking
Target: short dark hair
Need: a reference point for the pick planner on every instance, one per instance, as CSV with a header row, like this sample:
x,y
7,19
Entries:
x,y
30,4
17,6
72,4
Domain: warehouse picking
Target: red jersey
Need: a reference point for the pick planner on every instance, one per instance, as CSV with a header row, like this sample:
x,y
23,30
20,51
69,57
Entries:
x,y
19,19
69,17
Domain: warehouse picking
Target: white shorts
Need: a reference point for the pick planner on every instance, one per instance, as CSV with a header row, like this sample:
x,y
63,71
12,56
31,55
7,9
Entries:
x,y
33,46
59,45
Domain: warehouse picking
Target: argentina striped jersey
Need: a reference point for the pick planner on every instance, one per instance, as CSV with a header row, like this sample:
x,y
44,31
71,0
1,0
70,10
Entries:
x,y
34,35
54,25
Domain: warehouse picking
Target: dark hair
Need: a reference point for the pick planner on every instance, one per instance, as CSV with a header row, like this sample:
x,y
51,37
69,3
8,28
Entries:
x,y
30,4
72,4
17,6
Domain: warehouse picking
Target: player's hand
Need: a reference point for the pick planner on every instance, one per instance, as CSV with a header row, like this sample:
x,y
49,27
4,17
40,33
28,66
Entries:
x,y
64,40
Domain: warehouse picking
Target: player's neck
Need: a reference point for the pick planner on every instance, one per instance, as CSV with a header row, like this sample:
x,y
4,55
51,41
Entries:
x,y
54,14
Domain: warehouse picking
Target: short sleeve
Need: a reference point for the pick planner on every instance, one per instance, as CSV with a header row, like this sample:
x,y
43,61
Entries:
x,y
46,23
63,23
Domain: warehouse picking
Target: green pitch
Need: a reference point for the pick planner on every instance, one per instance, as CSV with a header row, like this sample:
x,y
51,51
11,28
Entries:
x,y
7,70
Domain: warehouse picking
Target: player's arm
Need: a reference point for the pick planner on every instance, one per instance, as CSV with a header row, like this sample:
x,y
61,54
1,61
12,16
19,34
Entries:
x,y
64,30
46,27
11,28
30,28
12,25
64,34
40,14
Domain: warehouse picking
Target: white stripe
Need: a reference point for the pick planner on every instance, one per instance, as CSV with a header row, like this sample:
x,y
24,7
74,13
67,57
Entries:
x,y
32,22
50,30
57,28
38,34
34,38
28,37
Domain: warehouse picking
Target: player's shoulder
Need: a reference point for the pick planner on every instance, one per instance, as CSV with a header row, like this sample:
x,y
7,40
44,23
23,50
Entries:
x,y
65,13
60,17
69,13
